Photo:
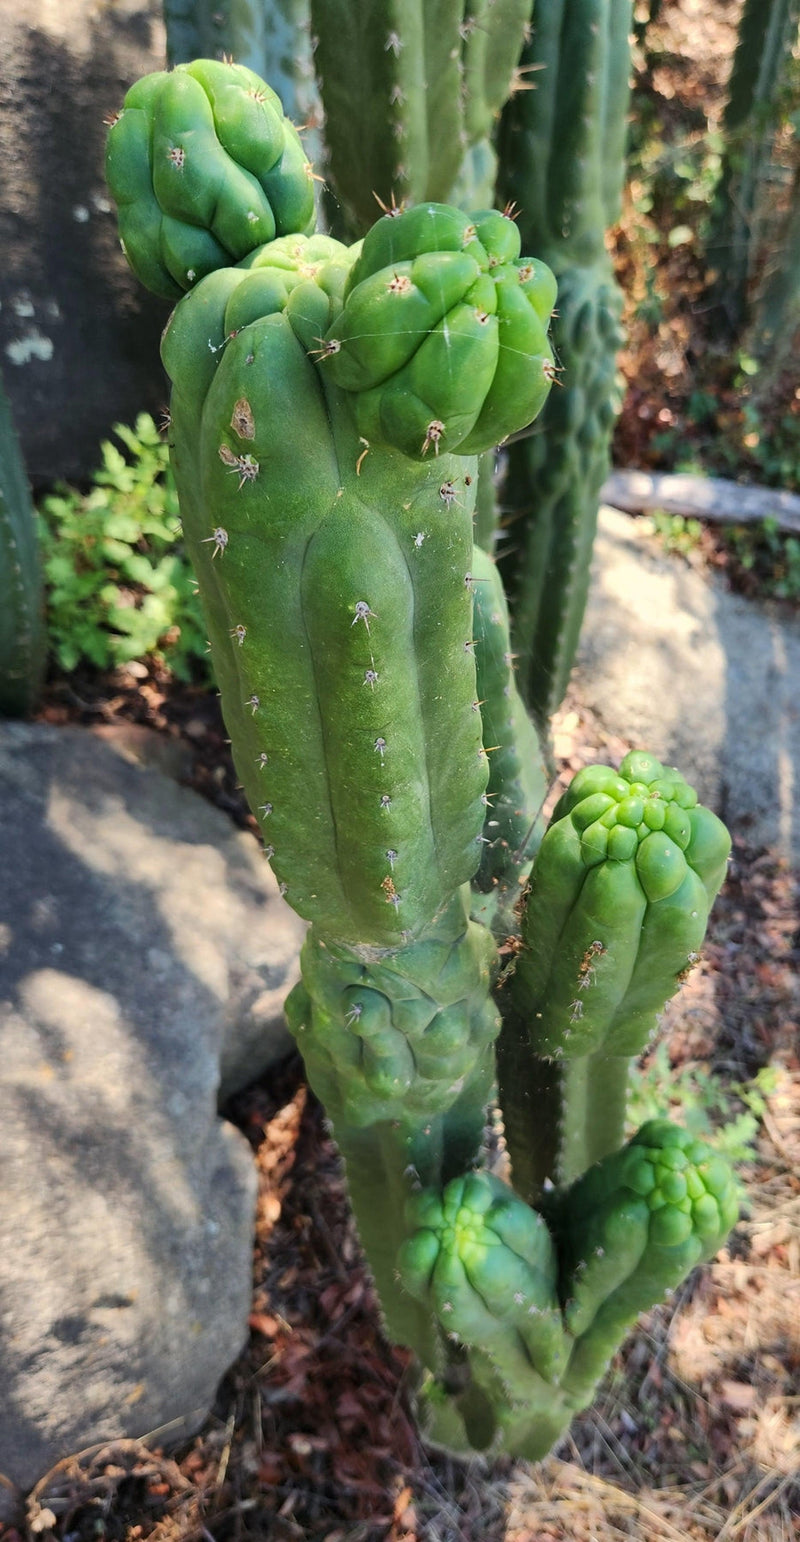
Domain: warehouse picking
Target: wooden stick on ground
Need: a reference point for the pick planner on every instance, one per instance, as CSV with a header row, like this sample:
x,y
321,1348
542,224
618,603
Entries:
x,y
696,497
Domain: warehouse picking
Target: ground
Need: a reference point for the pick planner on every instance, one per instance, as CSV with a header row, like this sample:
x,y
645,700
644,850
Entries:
x,y
695,1434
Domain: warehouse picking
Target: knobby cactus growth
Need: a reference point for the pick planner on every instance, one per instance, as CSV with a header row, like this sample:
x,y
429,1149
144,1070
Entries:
x,y
329,405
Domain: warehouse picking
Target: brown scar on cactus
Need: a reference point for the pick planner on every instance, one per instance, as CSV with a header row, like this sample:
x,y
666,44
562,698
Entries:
x,y
587,972
176,155
392,896
242,420
399,283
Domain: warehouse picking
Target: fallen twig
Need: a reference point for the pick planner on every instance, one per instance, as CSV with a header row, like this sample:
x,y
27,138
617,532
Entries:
x,y
711,498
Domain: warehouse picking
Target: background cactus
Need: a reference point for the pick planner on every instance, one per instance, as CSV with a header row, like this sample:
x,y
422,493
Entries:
x,y
443,71
767,33
23,641
562,158
328,408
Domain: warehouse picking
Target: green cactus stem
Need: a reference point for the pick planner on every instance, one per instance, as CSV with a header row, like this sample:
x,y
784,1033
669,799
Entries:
x,y
619,900
399,1049
518,777
349,718
767,31
541,1308
204,168
338,591
408,88
23,641
562,160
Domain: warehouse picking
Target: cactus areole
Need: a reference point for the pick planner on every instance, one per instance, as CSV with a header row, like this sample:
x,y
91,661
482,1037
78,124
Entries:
x,y
328,408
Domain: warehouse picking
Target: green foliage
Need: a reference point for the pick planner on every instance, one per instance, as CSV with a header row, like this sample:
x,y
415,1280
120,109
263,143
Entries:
x,y
676,533
729,1114
118,584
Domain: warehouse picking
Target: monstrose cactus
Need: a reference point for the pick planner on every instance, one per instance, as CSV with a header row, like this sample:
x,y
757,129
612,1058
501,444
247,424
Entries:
x,y
329,405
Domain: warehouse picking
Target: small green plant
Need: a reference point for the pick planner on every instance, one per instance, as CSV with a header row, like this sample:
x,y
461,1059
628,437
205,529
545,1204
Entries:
x,y
118,584
727,1113
676,533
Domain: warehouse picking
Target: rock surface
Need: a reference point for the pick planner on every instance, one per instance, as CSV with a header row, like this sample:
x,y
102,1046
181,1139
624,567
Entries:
x,y
78,334
136,925
673,661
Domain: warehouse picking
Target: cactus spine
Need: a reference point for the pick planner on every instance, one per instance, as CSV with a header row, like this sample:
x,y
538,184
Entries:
x,y
22,634
329,405
562,159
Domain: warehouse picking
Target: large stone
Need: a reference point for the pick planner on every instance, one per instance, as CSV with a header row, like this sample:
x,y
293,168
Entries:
x,y
132,916
78,333
707,680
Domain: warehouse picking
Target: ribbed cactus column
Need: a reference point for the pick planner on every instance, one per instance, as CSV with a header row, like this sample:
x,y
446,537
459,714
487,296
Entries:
x,y
328,409
767,34
408,87
23,639
619,900
562,160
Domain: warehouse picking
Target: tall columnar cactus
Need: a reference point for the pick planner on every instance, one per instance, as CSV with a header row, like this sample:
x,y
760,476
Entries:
x,y
767,35
328,409
23,640
411,90
562,151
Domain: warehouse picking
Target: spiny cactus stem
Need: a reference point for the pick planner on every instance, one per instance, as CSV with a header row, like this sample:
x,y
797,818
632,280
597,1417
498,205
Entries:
x,y
384,1164
576,1112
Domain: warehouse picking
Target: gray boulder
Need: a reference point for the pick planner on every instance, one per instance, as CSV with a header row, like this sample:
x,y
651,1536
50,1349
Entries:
x,y
707,680
136,928
78,333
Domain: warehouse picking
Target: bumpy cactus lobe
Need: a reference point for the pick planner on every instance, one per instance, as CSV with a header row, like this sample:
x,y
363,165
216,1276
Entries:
x,y
272,38
631,1229
22,635
408,87
442,341
562,159
204,168
542,1308
620,895
518,778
